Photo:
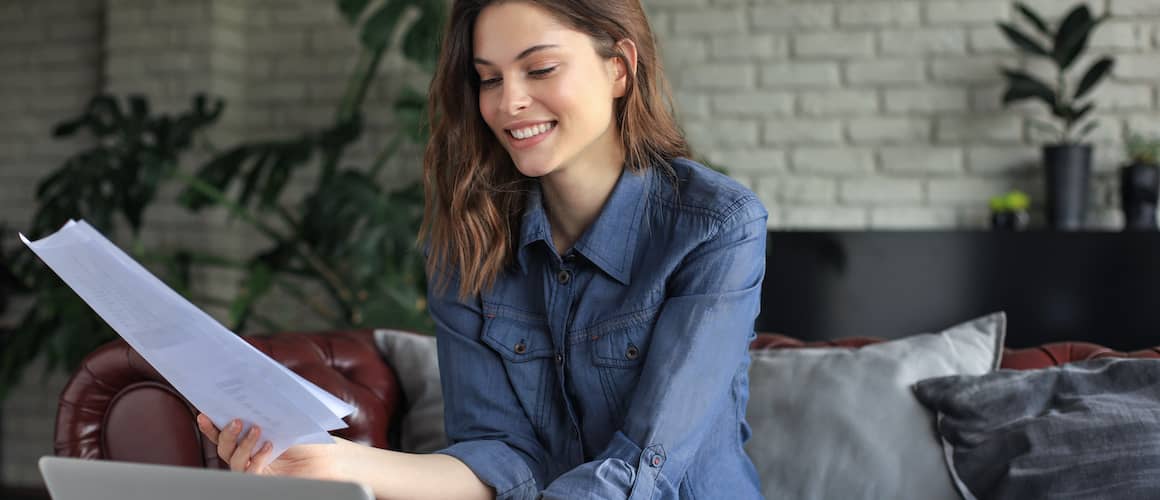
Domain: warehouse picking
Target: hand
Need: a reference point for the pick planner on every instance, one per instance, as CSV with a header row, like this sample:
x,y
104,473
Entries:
x,y
314,461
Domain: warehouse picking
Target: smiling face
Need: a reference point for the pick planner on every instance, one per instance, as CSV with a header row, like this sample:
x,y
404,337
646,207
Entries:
x,y
544,91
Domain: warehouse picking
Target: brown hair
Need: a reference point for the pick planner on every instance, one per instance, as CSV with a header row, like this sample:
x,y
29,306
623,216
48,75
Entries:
x,y
474,194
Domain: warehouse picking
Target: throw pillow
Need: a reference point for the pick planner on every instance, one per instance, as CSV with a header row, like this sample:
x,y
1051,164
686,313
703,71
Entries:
x,y
416,364
1089,429
843,423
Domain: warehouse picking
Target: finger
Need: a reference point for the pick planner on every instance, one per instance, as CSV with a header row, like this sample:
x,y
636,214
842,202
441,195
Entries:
x,y
261,459
228,439
206,426
245,449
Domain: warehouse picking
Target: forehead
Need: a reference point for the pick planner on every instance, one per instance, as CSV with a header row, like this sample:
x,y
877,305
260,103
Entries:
x,y
505,29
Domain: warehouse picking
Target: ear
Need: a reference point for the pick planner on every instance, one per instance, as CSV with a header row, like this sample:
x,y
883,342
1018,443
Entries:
x,y
619,72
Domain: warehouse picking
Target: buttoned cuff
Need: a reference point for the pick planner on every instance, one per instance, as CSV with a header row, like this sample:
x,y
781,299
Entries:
x,y
498,466
623,471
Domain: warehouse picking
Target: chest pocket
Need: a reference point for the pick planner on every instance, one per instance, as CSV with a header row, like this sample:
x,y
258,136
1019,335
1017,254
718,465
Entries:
x,y
525,345
620,347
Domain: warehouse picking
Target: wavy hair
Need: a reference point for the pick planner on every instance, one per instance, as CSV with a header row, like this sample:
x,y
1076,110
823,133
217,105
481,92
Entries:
x,y
473,192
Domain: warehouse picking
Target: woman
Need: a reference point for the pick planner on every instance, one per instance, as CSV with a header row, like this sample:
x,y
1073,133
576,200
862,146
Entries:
x,y
593,291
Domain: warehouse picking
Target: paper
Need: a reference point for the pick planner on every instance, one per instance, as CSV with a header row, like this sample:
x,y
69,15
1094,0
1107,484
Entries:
x,y
221,374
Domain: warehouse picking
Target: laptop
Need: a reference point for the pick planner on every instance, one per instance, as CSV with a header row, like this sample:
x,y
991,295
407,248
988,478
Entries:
x,y
79,479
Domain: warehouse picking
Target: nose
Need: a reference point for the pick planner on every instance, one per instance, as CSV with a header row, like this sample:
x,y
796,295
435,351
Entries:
x,y
515,97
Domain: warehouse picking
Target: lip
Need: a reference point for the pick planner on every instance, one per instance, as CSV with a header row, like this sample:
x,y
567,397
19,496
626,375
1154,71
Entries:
x,y
531,141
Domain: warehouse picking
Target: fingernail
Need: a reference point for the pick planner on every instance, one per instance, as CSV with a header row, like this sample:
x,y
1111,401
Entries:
x,y
236,424
267,446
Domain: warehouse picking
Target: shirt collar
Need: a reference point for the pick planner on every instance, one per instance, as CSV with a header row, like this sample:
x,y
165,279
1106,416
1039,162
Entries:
x,y
610,243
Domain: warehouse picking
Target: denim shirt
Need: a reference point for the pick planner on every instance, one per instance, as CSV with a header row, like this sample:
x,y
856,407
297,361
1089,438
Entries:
x,y
620,369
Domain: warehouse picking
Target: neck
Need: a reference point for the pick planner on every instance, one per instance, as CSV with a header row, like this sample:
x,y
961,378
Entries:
x,y
574,197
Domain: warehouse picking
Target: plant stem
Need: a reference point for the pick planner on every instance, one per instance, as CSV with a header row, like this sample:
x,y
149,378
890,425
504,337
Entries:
x,y
1061,103
238,210
329,277
314,305
387,153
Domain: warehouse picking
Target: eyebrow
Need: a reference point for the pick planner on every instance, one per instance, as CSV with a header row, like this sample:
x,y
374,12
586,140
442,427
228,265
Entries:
x,y
527,52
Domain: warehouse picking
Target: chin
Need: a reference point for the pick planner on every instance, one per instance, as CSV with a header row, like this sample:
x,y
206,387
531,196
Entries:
x,y
534,168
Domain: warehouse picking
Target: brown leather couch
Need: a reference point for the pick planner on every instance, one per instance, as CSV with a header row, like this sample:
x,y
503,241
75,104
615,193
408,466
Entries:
x,y
117,407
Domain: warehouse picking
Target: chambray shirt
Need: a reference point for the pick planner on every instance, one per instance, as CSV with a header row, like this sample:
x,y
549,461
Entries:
x,y
618,370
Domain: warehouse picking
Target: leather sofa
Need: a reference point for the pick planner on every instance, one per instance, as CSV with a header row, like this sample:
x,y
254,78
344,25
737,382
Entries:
x,y
117,407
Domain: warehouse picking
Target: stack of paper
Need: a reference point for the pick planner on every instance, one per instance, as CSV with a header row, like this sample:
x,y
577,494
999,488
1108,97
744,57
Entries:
x,y
219,373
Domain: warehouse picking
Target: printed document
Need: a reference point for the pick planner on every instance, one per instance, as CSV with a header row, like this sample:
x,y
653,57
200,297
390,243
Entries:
x,y
221,374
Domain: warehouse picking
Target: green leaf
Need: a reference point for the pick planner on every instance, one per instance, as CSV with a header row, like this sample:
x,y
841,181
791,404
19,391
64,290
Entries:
x,y
379,28
1022,85
421,42
217,172
1023,42
256,283
1045,127
1072,37
67,128
1033,18
411,112
352,9
1080,113
1087,129
1094,74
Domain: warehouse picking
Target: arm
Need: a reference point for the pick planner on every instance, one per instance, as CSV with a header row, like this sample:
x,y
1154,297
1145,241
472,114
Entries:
x,y
700,342
494,453
389,474
485,423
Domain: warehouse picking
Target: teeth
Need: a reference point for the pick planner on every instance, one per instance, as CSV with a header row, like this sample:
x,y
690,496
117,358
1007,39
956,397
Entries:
x,y
525,133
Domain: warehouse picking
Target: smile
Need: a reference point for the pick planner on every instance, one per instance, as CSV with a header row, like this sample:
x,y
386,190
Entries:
x,y
532,131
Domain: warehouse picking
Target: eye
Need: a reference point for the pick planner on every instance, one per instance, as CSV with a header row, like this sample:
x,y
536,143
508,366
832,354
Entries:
x,y
542,72
489,83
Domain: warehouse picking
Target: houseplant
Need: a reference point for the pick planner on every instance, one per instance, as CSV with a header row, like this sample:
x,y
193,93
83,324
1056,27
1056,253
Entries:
x,y
1067,159
352,237
1140,183
1009,211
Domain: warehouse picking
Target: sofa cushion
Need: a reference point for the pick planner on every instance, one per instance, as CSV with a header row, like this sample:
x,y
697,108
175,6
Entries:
x,y
416,365
1090,428
843,423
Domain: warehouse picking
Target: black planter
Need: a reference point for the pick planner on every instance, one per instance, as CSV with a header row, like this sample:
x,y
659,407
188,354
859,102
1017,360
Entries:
x,y
1068,168
1009,221
1139,187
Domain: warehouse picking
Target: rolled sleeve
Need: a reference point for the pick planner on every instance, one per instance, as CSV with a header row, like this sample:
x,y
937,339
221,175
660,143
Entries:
x,y
498,466
485,424
699,345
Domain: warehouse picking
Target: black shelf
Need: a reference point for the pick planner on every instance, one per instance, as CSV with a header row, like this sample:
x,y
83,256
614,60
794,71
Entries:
x,y
1094,286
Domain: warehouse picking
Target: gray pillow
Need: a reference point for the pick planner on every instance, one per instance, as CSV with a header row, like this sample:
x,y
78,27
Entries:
x,y
843,423
415,361
1089,429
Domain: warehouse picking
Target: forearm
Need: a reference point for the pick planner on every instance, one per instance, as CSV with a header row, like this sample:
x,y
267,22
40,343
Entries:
x,y
393,475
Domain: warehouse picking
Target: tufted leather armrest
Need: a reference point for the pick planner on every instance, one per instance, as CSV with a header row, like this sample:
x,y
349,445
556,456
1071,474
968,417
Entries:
x,y
1019,359
117,407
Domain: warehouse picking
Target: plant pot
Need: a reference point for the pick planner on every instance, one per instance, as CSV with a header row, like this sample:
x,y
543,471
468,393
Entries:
x,y
1068,172
1009,220
1139,188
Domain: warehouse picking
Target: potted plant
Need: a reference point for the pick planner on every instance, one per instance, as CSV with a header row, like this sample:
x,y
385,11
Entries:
x,y
1009,211
1067,160
1140,183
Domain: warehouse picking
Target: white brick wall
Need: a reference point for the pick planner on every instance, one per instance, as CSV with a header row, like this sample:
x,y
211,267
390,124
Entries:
x,y
879,114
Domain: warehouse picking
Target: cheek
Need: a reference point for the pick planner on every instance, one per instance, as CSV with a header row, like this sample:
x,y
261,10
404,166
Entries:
x,y
489,109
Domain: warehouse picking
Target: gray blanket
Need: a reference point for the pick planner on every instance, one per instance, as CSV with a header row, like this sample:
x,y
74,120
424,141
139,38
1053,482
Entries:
x,y
1086,430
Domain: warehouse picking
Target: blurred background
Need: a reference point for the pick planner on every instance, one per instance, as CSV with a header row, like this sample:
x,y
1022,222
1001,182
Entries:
x,y
261,156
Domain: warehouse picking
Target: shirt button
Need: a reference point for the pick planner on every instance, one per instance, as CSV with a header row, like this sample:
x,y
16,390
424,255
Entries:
x,y
656,461
569,257
632,352
521,348
563,277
